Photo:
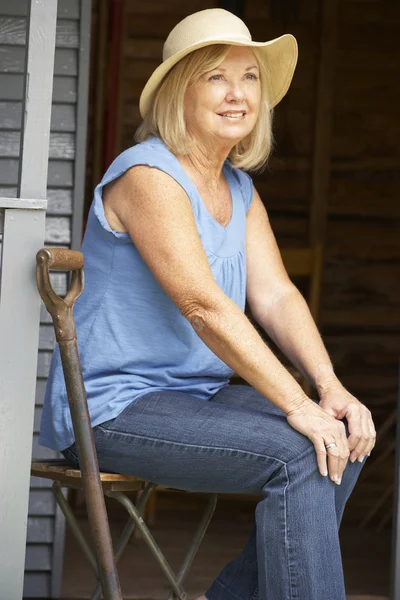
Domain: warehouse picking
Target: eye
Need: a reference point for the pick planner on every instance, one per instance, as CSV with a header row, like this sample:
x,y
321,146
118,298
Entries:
x,y
252,76
215,78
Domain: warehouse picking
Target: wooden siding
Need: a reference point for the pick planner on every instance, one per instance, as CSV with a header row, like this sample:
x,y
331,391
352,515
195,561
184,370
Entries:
x,y
42,520
361,290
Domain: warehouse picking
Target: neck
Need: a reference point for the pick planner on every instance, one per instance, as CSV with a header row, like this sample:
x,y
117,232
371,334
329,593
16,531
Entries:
x,y
206,161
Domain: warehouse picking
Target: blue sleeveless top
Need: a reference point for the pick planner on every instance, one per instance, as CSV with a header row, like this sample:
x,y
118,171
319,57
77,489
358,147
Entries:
x,y
131,337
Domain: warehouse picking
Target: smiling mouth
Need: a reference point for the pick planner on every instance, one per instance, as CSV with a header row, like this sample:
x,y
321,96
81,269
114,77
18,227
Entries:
x,y
233,116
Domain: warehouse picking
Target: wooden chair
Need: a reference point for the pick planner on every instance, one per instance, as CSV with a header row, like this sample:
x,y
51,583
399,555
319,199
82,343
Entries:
x,y
306,262
96,485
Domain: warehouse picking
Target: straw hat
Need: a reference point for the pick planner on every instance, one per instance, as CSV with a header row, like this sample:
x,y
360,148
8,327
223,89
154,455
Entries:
x,y
219,26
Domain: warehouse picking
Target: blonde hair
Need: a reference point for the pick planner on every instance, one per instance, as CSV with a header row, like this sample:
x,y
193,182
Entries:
x,y
166,120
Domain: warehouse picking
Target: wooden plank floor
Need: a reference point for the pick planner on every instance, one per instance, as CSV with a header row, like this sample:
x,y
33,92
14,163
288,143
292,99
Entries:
x,y
366,554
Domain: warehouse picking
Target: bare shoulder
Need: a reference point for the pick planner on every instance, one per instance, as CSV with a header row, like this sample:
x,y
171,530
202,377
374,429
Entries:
x,y
257,207
138,188
156,213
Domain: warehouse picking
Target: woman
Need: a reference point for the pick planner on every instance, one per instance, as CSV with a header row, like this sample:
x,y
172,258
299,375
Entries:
x,y
177,239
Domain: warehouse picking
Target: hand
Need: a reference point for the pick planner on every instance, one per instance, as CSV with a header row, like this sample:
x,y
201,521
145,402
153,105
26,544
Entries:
x,y
339,403
322,429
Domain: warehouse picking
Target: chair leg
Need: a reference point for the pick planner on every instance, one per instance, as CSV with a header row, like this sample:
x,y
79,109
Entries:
x,y
151,510
149,514
128,531
73,524
131,524
136,520
151,543
194,546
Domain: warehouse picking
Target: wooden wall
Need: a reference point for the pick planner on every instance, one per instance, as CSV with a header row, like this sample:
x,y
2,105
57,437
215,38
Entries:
x,y
362,272
359,319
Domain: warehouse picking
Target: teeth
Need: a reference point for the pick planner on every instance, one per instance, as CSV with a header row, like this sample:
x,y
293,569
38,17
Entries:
x,y
233,115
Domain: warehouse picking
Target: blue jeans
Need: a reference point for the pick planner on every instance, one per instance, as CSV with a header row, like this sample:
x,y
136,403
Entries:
x,y
240,442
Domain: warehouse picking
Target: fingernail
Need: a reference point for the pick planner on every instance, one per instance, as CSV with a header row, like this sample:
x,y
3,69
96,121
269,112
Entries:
x,y
352,459
361,458
335,478
369,454
324,473
339,481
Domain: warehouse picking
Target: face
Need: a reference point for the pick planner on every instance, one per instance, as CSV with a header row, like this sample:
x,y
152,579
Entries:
x,y
223,105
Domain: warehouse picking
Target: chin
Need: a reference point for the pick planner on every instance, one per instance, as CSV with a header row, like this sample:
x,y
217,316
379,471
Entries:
x,y
234,134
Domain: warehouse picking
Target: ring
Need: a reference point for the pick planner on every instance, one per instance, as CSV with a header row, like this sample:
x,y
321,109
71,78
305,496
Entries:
x,y
332,445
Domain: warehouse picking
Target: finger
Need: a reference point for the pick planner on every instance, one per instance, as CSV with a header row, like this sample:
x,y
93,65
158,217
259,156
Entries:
x,y
354,425
340,453
356,432
320,451
371,433
358,452
366,436
361,450
333,460
344,451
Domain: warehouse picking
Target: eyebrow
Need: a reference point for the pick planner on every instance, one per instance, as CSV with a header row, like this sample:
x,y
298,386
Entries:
x,y
248,68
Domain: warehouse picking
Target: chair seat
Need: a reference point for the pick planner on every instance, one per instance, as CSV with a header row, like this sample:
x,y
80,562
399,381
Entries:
x,y
60,470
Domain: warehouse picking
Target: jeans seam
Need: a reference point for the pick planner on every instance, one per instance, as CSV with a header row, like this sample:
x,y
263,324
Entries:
x,y
186,445
287,544
254,595
286,533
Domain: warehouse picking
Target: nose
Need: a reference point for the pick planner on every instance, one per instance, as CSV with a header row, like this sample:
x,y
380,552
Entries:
x,y
235,93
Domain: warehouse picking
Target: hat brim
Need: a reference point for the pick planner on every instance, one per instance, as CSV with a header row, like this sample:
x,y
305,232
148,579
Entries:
x,y
280,57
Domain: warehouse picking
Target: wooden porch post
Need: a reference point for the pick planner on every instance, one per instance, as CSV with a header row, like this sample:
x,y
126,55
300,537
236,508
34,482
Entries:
x,y
23,235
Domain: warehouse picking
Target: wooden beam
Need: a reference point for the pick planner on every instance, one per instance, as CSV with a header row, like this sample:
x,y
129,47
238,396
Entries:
x,y
323,122
321,163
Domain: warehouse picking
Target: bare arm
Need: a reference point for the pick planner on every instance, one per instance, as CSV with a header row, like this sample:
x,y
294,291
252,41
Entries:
x,y
278,306
157,213
283,313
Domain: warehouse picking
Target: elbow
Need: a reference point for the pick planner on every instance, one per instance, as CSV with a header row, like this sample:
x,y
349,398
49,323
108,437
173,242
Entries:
x,y
265,307
203,308
198,315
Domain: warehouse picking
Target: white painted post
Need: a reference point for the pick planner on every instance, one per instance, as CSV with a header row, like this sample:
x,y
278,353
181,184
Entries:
x,y
23,235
